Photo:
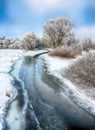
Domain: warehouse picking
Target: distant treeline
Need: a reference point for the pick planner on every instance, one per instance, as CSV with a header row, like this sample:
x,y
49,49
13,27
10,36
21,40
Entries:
x,y
57,32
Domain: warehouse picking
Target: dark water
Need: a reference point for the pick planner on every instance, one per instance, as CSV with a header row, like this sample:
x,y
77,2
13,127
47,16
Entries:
x,y
42,103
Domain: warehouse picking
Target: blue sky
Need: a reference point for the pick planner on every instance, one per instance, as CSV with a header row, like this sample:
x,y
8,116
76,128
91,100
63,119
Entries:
x,y
20,16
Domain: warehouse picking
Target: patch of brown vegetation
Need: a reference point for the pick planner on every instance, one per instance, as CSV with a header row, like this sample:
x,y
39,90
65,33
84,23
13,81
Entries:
x,y
67,51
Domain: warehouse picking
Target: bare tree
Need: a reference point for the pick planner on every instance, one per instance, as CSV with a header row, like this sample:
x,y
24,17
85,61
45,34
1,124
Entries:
x,y
58,31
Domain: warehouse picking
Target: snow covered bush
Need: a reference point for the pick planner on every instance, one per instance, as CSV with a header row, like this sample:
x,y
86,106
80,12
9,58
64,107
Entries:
x,y
28,41
77,48
88,45
6,43
58,31
40,44
67,51
82,72
15,45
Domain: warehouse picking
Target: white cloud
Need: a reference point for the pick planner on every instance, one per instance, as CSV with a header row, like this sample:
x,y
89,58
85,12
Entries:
x,y
40,5
73,8
86,32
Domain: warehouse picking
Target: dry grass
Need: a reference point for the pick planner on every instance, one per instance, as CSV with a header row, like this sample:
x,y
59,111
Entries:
x,y
82,73
67,51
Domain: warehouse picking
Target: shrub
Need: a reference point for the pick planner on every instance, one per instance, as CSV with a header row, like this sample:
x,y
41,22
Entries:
x,y
82,73
30,42
88,45
15,44
67,51
39,44
6,43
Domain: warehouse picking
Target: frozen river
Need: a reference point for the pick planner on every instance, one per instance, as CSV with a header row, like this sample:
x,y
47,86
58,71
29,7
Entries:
x,y
45,101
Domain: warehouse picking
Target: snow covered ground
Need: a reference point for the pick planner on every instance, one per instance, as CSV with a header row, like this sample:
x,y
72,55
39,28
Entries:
x,y
56,63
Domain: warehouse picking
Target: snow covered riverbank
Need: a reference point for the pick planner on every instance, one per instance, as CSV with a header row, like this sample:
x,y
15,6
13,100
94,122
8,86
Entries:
x,y
7,58
7,91
56,66
56,63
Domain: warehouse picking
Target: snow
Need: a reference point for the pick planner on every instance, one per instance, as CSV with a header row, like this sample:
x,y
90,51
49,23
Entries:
x,y
56,63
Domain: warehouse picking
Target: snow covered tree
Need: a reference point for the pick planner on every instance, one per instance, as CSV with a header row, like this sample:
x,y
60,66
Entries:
x,y
58,31
6,43
45,41
28,42
15,45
